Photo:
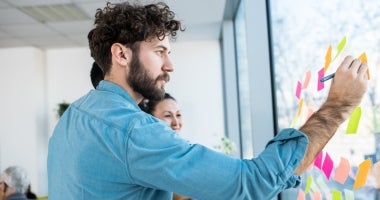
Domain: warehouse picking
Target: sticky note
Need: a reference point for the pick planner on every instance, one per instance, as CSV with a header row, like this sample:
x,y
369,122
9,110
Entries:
x,y
342,171
298,89
327,166
307,80
349,195
353,122
308,184
336,195
363,58
327,58
361,176
321,74
300,103
341,46
294,121
317,196
301,195
318,160
322,185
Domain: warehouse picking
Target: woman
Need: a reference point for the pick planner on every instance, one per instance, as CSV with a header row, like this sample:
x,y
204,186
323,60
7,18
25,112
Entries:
x,y
166,109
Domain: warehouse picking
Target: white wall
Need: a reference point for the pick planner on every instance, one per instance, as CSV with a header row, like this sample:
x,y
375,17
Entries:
x,y
33,82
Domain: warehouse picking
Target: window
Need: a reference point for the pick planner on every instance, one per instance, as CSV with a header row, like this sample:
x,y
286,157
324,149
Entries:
x,y
301,36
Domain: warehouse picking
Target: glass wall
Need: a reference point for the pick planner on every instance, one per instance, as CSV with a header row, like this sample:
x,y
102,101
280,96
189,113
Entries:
x,y
309,41
243,82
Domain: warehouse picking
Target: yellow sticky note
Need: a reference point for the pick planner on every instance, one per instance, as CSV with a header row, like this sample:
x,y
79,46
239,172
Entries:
x,y
363,58
353,122
308,184
328,58
361,176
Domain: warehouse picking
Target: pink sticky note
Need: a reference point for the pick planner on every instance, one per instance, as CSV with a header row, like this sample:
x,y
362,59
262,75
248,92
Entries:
x,y
298,90
301,195
317,196
321,74
318,160
327,166
342,171
307,80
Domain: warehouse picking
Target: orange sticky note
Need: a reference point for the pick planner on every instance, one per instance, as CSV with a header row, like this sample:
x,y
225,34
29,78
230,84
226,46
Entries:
x,y
353,122
328,58
307,80
361,176
300,103
342,171
363,58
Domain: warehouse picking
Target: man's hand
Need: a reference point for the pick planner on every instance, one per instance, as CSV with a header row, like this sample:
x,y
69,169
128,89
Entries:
x,y
346,92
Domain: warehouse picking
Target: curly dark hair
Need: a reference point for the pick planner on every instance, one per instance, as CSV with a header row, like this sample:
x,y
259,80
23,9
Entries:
x,y
149,106
129,24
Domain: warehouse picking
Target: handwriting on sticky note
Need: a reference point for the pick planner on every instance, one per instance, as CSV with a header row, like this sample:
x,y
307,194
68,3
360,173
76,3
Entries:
x,y
353,122
361,176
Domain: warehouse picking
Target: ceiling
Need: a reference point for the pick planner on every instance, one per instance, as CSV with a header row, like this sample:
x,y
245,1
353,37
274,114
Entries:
x,y
66,23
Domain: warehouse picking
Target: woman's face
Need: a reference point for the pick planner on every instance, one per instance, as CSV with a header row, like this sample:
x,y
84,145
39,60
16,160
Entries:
x,y
168,111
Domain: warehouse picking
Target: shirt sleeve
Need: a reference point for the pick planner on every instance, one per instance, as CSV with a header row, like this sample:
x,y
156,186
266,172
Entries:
x,y
158,158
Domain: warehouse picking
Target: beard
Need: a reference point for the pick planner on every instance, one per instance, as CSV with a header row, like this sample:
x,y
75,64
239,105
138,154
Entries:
x,y
141,82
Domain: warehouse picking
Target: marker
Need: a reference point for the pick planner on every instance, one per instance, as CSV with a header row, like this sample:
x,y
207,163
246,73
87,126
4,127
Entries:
x,y
328,77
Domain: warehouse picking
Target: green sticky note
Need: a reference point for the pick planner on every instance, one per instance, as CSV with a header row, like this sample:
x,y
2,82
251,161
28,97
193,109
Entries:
x,y
336,195
353,122
308,184
349,194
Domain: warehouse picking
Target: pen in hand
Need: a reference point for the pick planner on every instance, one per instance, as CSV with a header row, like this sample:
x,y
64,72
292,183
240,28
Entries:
x,y
328,77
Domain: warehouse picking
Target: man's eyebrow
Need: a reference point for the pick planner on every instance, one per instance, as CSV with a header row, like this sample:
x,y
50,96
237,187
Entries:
x,y
163,47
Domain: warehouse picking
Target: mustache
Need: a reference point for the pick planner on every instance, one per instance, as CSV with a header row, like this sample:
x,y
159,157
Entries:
x,y
165,77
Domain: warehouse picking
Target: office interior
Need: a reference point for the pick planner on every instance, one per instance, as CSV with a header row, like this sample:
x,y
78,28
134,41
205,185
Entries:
x,y
238,67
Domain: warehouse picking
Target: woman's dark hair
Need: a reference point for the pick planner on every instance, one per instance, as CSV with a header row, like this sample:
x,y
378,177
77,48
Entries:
x,y
149,106
96,74
129,24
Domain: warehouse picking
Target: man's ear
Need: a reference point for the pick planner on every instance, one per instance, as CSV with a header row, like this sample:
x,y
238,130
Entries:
x,y
121,54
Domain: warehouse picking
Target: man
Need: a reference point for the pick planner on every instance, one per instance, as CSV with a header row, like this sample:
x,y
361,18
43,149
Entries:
x,y
13,183
105,147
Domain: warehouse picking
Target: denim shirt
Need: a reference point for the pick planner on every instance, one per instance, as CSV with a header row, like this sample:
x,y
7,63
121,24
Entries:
x,y
105,147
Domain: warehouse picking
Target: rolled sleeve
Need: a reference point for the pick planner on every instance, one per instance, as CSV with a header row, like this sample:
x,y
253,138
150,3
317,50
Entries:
x,y
278,162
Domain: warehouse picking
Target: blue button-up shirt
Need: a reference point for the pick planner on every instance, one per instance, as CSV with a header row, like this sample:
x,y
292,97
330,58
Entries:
x,y
105,147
